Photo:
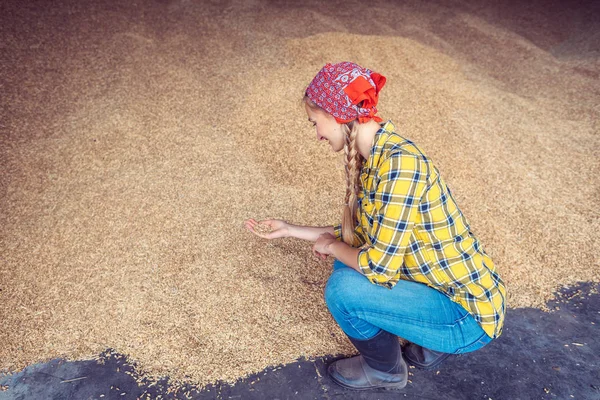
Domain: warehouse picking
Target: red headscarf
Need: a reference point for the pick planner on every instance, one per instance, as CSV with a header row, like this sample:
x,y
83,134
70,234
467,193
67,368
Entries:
x,y
339,88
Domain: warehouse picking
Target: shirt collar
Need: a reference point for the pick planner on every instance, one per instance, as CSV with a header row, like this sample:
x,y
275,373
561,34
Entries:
x,y
380,138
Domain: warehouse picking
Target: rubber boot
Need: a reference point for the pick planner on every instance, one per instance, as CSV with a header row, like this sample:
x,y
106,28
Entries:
x,y
423,358
379,365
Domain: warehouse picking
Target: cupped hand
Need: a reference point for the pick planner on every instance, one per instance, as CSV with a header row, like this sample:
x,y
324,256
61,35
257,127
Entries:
x,y
278,228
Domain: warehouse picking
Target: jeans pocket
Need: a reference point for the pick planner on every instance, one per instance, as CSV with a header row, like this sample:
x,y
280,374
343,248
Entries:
x,y
476,345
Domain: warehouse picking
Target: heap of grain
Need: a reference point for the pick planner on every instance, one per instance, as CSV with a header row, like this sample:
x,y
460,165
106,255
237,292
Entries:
x,y
133,150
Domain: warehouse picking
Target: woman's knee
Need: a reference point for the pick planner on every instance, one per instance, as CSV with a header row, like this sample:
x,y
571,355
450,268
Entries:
x,y
340,286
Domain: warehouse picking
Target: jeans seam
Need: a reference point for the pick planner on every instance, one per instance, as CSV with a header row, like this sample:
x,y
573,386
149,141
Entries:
x,y
354,327
412,320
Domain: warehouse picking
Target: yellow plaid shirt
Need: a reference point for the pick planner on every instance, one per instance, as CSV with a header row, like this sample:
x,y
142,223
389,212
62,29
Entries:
x,y
411,228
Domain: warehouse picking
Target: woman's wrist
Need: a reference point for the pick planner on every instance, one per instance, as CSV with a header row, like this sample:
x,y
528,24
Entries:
x,y
345,253
331,247
290,230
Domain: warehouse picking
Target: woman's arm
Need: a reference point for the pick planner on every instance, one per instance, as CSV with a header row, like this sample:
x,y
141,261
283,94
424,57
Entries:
x,y
327,244
281,229
346,254
311,233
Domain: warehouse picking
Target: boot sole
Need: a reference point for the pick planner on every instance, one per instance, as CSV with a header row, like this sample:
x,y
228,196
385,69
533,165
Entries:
x,y
392,386
399,386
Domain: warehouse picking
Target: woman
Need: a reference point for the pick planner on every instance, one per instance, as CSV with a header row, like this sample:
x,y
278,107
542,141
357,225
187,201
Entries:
x,y
406,262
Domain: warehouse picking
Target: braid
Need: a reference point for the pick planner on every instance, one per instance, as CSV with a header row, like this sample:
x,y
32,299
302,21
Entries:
x,y
353,164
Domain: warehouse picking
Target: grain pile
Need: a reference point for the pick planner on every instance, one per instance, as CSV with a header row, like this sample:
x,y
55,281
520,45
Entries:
x,y
136,139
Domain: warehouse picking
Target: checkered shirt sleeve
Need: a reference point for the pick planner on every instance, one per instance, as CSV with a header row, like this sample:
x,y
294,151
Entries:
x,y
402,181
359,235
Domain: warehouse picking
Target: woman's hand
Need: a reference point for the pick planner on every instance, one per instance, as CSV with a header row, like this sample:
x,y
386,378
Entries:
x,y
278,228
321,247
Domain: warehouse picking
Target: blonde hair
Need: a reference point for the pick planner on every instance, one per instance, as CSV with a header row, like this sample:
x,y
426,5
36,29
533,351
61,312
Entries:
x,y
353,162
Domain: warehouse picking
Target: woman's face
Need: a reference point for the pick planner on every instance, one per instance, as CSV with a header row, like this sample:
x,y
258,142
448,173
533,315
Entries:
x,y
327,128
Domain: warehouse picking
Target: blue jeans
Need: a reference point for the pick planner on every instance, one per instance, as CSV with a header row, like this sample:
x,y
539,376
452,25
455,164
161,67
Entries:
x,y
411,310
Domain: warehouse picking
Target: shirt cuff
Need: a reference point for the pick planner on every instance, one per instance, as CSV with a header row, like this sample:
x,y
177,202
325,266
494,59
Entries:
x,y
337,231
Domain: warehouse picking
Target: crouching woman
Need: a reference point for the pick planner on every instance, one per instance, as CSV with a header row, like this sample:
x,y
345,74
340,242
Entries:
x,y
406,261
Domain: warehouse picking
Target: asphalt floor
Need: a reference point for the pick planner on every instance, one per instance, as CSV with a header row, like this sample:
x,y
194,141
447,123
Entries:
x,y
540,355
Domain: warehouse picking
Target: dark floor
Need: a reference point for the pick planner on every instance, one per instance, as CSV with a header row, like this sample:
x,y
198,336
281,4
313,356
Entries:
x,y
540,355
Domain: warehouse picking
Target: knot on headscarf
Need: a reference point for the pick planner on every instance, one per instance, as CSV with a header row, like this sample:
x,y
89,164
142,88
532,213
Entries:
x,y
347,91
